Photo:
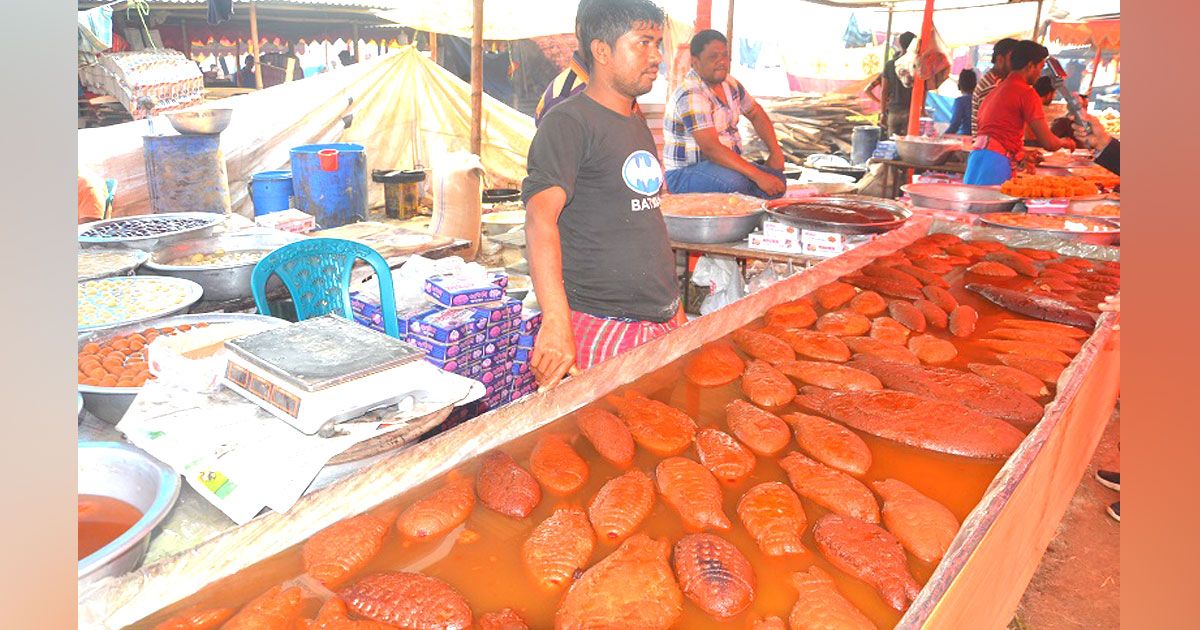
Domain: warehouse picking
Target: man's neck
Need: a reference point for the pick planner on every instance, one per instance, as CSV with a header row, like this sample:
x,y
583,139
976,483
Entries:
x,y
605,94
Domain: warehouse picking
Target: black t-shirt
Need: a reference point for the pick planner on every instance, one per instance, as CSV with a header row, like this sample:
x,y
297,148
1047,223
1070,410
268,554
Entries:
x,y
617,259
899,97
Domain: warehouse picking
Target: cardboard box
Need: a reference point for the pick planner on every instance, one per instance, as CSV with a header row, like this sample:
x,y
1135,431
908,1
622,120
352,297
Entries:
x,y
469,348
783,245
372,315
531,321
290,220
506,311
780,231
448,325
456,291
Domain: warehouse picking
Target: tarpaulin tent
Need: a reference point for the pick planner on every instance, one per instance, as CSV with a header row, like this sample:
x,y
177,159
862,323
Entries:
x,y
407,110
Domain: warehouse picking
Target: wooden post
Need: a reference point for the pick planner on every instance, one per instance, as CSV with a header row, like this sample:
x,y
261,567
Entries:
x,y
433,46
703,15
357,48
1037,22
1095,71
918,90
187,42
477,80
883,89
258,83
729,25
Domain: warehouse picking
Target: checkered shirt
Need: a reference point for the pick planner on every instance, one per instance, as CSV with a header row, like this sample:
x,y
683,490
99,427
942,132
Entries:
x,y
694,106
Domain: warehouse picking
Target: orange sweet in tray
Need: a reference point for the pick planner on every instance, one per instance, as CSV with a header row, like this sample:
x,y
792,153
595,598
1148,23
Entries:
x,y
1048,186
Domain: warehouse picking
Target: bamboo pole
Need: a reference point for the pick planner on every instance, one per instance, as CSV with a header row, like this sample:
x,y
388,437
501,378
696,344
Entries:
x,y
433,46
729,25
258,82
477,80
187,42
883,89
357,47
1037,22
917,106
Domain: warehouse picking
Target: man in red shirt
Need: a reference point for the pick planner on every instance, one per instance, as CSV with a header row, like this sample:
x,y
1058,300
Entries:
x,y
1000,137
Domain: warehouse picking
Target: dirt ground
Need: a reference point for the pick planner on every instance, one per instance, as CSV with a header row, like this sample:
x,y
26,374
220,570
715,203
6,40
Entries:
x,y
1078,584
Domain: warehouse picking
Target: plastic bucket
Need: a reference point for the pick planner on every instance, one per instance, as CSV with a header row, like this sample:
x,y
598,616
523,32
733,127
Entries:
x,y
186,173
863,140
271,191
335,197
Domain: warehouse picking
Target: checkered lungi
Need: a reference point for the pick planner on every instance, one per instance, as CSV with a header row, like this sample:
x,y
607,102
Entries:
x,y
600,338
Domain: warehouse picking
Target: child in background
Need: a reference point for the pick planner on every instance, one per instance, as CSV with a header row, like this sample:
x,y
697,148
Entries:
x,y
960,122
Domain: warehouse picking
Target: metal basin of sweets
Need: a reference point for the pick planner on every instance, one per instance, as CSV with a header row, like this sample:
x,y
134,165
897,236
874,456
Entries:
x,y
108,393
150,232
112,302
849,214
711,217
1089,230
960,198
105,262
114,471
221,265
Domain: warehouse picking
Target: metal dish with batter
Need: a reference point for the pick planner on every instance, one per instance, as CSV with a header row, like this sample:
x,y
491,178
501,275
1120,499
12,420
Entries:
x,y
849,214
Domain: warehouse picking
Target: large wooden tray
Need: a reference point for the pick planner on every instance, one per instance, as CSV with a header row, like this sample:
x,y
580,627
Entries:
x,y
978,584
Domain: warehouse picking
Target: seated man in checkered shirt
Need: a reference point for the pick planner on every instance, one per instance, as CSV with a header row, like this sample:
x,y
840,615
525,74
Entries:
x,y
702,149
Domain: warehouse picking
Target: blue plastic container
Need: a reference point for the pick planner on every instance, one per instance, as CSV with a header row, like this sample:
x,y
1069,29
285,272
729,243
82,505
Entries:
x,y
186,173
271,191
336,197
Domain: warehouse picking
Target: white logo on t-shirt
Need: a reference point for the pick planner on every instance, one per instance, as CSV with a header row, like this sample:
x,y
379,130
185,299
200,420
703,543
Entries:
x,y
642,173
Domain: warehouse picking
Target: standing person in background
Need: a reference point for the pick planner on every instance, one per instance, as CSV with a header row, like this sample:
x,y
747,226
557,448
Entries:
x,y
999,149
571,81
245,76
991,78
1107,147
960,122
599,255
1045,91
898,96
702,148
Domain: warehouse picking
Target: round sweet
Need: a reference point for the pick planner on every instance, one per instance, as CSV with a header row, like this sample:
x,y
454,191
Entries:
x,y
115,300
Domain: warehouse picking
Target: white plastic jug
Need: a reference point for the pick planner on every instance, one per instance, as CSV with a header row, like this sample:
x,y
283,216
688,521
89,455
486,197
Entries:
x,y
458,198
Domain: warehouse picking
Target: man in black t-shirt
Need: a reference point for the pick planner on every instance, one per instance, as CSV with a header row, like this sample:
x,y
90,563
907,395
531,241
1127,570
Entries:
x,y
601,262
898,96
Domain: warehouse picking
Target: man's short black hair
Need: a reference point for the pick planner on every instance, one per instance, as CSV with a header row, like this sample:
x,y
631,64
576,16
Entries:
x,y
1026,52
1002,47
704,38
607,20
1043,86
905,39
967,80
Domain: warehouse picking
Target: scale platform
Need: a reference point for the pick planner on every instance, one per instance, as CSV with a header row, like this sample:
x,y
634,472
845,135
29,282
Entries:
x,y
322,371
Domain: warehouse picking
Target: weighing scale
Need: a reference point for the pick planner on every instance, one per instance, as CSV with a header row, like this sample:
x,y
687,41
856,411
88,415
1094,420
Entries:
x,y
322,371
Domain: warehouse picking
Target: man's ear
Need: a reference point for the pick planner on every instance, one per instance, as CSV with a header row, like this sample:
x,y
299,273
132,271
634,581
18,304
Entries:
x,y
601,52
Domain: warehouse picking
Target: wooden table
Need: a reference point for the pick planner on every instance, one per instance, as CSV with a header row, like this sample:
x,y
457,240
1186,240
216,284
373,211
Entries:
x,y
897,172
739,250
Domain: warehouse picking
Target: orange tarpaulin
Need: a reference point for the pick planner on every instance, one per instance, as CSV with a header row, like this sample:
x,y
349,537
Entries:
x,y
1102,34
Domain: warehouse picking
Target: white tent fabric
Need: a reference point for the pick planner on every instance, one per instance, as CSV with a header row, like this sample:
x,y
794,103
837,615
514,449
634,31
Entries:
x,y
407,111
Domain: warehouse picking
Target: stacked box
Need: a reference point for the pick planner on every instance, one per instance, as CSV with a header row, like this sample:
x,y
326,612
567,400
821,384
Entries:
x,y
368,313
473,331
457,292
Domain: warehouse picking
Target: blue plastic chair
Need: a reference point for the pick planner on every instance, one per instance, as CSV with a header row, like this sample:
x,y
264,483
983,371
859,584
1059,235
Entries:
x,y
316,272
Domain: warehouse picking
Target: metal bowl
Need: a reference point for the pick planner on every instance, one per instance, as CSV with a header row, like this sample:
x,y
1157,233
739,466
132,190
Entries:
x,y
723,229
220,282
494,223
151,243
135,258
202,121
899,214
124,472
926,151
194,293
1091,238
110,403
960,198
